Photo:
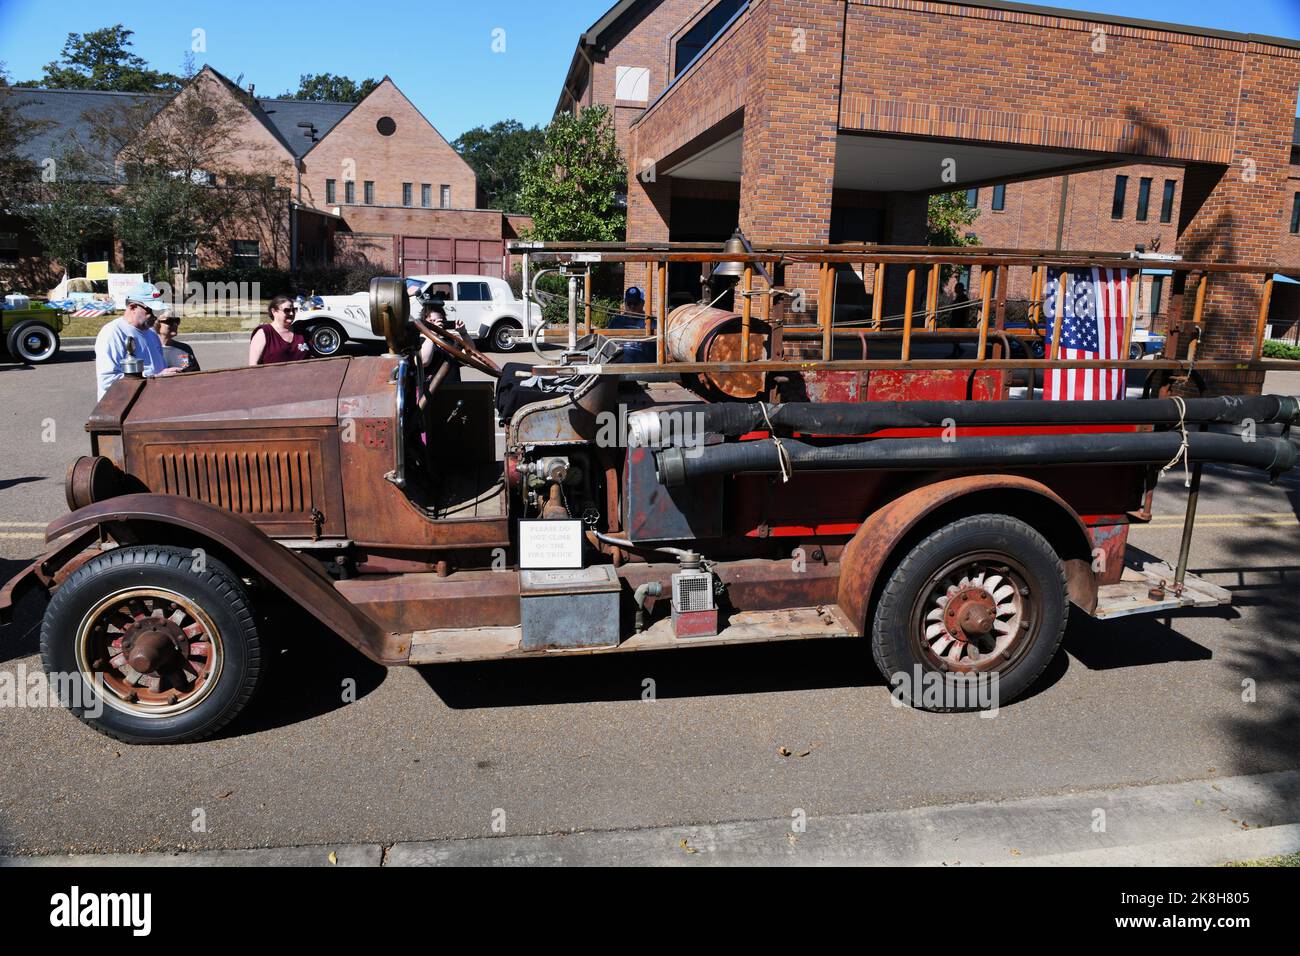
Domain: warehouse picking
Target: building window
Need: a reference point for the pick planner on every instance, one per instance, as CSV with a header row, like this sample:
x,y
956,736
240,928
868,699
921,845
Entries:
x,y
972,198
426,195
349,191
330,192
1157,289
406,194
1295,214
368,192
246,252
386,126
444,197
1117,204
999,198
8,247
1144,198
698,38
1167,201
184,253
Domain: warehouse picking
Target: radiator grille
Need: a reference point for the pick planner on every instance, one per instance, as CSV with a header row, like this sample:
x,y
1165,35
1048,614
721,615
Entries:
x,y
254,483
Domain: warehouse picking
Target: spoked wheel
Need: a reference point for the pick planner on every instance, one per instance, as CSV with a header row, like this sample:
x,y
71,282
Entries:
x,y
324,340
980,597
153,651
159,644
975,614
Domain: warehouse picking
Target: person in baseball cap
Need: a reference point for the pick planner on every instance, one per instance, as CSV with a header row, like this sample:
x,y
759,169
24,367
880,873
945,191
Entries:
x,y
134,327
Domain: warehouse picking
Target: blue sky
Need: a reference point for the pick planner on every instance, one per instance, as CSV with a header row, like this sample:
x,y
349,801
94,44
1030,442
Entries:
x,y
438,51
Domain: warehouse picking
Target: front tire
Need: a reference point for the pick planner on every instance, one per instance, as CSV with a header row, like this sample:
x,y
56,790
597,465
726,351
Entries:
x,y
157,644
980,597
32,342
325,339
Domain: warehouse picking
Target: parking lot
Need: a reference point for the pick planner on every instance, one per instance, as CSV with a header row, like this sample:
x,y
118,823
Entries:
x,y
545,746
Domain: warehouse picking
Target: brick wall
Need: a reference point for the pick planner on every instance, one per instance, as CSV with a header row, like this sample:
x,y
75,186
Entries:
x,y
415,152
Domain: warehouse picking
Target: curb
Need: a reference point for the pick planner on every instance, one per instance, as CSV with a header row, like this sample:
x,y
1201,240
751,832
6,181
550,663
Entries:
x,y
1199,823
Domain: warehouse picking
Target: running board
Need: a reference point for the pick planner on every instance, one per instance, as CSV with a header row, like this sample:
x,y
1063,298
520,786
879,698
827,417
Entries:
x,y
446,645
1133,593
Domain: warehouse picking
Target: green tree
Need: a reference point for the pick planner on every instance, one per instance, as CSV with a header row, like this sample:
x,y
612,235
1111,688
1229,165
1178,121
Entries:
x,y
68,212
328,88
102,60
498,155
16,171
574,186
948,223
948,220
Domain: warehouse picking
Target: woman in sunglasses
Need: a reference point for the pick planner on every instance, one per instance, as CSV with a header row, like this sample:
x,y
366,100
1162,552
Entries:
x,y
276,341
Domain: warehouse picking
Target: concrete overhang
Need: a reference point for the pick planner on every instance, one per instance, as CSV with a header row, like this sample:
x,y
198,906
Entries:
x,y
904,164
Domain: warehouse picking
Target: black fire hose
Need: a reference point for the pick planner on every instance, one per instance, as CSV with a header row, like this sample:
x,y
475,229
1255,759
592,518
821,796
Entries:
x,y
678,466
863,418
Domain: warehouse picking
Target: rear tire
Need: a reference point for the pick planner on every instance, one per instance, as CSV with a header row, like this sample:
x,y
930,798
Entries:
x,y
185,622
32,342
982,596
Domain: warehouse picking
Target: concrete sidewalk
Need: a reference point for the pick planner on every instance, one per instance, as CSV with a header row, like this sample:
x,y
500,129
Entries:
x,y
1200,823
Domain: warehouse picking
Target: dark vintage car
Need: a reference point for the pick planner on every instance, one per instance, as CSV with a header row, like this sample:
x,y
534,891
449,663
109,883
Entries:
x,y
624,515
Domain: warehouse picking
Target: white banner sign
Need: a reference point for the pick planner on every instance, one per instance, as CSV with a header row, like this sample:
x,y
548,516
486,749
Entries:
x,y
120,283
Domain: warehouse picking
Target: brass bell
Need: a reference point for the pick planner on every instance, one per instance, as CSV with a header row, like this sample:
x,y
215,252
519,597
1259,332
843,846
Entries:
x,y
736,245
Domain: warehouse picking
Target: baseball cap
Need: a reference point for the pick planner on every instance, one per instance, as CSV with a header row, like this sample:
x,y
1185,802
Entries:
x,y
147,295
633,294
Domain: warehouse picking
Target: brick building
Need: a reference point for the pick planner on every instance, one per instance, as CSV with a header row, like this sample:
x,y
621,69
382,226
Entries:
x,y
833,120
372,179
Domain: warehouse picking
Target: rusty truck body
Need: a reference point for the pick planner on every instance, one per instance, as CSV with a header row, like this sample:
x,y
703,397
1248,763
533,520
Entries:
x,y
757,479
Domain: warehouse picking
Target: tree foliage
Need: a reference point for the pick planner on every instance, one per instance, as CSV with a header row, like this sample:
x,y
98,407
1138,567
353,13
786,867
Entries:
x,y
16,171
328,88
498,155
948,220
575,187
102,60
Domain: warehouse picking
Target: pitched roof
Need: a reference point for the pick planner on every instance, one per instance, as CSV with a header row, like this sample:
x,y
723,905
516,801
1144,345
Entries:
x,y
62,113
285,115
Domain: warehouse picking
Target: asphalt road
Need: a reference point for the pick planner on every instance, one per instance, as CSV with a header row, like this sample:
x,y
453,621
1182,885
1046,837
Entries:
x,y
556,745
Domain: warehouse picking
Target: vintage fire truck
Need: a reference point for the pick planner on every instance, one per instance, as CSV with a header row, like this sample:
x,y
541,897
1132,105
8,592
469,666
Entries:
x,y
811,445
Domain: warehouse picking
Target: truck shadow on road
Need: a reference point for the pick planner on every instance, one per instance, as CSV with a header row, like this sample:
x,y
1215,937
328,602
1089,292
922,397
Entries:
x,y
309,672
681,673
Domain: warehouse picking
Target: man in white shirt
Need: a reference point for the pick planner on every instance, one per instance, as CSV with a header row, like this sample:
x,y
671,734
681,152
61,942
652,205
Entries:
x,y
133,326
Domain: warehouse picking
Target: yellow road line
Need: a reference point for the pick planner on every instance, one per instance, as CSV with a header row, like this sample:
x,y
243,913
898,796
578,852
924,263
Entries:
x,y
1227,524
1242,514
23,524
25,535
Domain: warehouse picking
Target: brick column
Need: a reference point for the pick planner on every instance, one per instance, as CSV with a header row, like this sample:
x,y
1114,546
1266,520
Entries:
x,y
1239,214
788,160
648,220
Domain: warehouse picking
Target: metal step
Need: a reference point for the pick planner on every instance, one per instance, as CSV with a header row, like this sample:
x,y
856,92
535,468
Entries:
x,y
1131,595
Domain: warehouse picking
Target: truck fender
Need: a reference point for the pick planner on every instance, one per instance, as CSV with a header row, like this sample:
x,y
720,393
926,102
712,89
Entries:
x,y
880,536
296,577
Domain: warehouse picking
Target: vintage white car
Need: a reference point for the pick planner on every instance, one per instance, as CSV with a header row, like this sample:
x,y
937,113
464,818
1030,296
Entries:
x,y
487,306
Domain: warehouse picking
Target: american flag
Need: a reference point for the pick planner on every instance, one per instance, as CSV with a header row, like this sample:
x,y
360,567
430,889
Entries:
x,y
1096,304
